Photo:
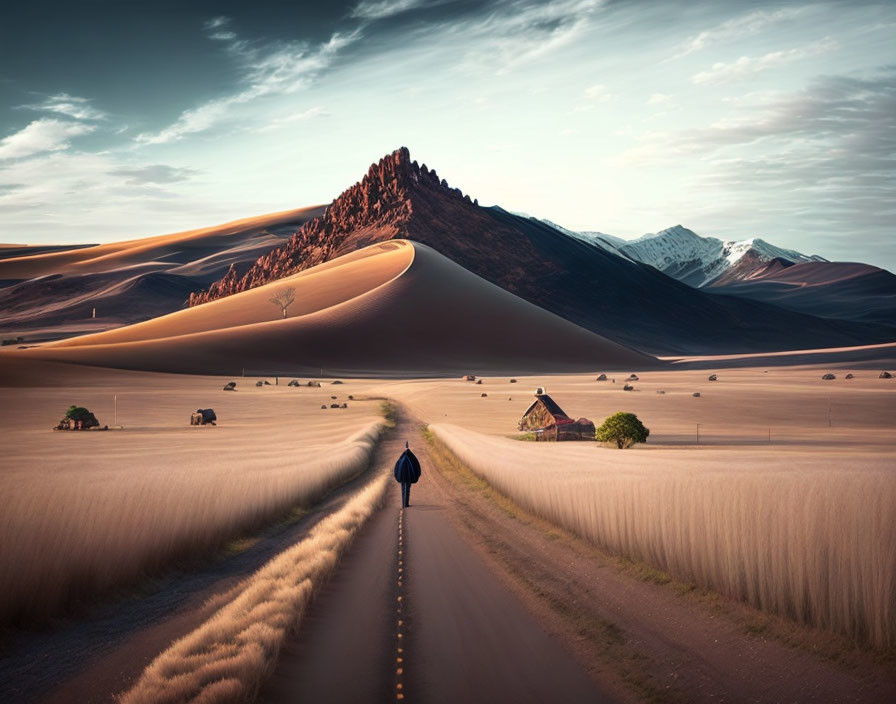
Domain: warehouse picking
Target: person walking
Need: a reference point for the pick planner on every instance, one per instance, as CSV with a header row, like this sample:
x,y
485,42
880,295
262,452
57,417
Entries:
x,y
407,472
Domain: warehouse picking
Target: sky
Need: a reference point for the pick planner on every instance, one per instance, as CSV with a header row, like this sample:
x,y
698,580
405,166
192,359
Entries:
x,y
123,119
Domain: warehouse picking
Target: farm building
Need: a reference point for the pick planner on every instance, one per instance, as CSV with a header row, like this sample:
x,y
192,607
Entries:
x,y
548,421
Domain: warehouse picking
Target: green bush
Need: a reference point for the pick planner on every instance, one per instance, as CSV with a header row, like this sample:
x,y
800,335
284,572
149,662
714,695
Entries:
x,y
622,428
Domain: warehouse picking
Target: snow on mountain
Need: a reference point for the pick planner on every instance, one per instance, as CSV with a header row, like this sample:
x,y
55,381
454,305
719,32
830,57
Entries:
x,y
610,243
698,261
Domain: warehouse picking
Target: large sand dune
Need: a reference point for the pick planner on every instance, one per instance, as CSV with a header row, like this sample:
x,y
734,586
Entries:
x,y
396,308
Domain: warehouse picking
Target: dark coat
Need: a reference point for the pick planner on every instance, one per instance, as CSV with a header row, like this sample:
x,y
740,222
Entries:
x,y
407,469
208,415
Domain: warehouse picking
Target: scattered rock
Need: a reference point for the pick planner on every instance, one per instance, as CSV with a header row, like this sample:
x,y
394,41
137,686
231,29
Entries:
x,y
628,387
203,416
344,405
334,405
351,398
513,381
712,377
336,382
267,383
696,394
849,376
333,397
632,377
230,386
324,406
259,383
483,395
602,377
294,382
314,384
828,377
885,375
479,381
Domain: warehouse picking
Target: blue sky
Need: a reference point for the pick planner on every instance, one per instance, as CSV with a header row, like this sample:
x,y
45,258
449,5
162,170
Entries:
x,y
736,119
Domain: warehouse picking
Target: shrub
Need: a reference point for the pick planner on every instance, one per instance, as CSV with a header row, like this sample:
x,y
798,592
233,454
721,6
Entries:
x,y
622,428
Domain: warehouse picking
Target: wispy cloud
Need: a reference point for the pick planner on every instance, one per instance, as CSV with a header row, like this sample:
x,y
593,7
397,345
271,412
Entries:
x,y
44,135
658,99
153,173
379,9
68,105
278,69
301,116
738,28
747,66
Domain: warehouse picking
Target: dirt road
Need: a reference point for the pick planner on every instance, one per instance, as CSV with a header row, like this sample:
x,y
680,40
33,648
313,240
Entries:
x,y
464,638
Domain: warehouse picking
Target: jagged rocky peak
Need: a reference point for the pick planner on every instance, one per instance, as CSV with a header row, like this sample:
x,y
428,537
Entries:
x,y
378,207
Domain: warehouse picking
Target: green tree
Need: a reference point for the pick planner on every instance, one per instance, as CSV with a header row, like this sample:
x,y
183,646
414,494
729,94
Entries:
x,y
622,428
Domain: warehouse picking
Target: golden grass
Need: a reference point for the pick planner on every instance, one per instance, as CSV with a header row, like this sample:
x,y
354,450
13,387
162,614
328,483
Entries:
x,y
72,536
809,541
227,658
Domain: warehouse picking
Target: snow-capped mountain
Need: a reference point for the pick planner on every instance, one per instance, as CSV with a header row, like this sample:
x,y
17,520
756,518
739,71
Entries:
x,y
607,242
700,261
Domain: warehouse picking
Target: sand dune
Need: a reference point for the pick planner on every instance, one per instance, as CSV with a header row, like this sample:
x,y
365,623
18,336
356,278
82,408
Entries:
x,y
114,255
394,308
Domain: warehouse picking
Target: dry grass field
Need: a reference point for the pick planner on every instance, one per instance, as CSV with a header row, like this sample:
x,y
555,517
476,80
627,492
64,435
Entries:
x,y
86,513
226,658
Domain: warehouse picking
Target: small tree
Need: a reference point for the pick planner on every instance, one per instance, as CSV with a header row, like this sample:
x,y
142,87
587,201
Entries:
x,y
622,428
284,298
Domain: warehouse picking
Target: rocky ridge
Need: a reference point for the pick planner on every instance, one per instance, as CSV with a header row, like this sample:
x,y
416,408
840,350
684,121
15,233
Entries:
x,y
376,208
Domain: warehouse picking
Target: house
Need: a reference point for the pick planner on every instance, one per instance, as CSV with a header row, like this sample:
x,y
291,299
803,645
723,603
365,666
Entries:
x,y
549,422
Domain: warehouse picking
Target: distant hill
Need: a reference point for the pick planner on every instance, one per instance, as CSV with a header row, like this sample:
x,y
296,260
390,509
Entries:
x,y
52,291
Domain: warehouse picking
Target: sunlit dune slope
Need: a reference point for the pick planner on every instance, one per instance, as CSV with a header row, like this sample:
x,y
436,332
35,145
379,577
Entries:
x,y
393,308
179,247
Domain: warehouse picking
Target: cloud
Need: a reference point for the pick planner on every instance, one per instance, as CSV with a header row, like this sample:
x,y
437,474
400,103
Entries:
x,y
278,69
821,161
379,9
513,34
598,94
308,114
658,99
747,66
70,106
216,22
737,28
153,173
44,135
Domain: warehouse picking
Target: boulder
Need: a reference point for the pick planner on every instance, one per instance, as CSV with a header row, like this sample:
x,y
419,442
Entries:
x,y
628,387
267,383
849,376
712,377
324,406
294,382
885,375
602,377
259,383
696,394
483,395
344,405
632,377
828,377
336,382
513,381
230,386
334,405
351,398
314,384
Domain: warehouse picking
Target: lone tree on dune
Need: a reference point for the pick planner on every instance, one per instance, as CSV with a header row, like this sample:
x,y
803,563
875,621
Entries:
x,y
284,298
622,428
